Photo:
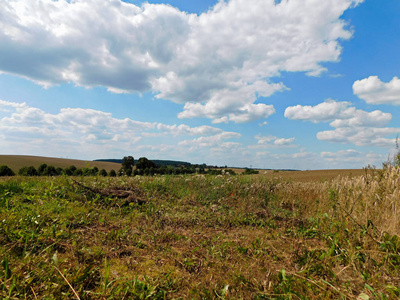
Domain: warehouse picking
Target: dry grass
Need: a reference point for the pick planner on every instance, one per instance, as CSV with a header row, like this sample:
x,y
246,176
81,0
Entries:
x,y
315,175
16,162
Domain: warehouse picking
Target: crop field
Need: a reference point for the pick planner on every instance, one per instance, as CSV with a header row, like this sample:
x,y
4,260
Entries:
x,y
307,176
200,237
16,162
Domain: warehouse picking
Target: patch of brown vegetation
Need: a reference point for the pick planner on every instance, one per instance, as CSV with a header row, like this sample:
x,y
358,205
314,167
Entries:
x,y
129,195
16,162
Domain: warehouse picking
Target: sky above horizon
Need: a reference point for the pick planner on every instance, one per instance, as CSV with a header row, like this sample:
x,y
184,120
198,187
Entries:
x,y
289,84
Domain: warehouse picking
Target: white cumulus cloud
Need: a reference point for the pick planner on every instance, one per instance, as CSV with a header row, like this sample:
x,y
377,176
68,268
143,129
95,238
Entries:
x,y
360,136
271,140
326,111
373,91
341,113
217,63
351,125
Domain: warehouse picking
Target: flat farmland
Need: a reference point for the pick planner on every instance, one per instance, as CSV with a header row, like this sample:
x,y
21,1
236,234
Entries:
x,y
314,175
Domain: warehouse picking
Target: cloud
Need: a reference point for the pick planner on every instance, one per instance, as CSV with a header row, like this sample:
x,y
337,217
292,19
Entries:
x,y
211,141
352,125
352,156
303,160
360,136
298,160
178,130
92,132
342,155
340,112
218,63
361,118
326,111
373,91
271,140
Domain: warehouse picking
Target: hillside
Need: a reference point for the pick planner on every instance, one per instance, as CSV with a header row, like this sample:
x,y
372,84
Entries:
x,y
15,162
158,162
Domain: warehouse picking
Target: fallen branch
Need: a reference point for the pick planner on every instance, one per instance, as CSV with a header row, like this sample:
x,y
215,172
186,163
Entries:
x,y
128,195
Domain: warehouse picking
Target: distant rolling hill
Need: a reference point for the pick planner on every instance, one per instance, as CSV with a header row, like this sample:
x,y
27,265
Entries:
x,y
158,162
16,162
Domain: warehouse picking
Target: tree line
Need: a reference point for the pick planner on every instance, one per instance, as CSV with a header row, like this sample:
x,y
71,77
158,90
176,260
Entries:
x,y
143,167
50,170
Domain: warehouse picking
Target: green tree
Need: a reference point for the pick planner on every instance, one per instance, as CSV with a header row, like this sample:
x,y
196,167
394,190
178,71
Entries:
x,y
28,171
50,171
250,172
94,171
121,172
103,172
6,171
41,169
112,173
78,172
144,163
127,164
69,171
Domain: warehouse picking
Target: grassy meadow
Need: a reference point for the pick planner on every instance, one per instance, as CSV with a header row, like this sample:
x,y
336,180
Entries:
x,y
200,237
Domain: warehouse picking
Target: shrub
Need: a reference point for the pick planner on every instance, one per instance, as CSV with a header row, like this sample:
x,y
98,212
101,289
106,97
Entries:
x,y
6,171
121,172
78,172
42,169
103,172
69,171
215,172
250,172
112,173
50,171
28,171
230,171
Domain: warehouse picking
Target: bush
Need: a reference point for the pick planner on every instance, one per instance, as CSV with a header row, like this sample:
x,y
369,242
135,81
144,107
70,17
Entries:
x,y
230,171
6,171
103,172
28,171
78,172
42,169
250,172
49,171
69,171
214,172
121,172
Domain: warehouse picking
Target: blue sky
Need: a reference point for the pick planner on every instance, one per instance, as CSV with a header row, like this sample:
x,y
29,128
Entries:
x,y
302,84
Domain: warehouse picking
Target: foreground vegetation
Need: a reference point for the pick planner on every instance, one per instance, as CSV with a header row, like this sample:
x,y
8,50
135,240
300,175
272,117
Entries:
x,y
200,237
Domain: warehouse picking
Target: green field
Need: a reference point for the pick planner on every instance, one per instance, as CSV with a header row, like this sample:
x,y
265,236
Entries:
x,y
200,237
